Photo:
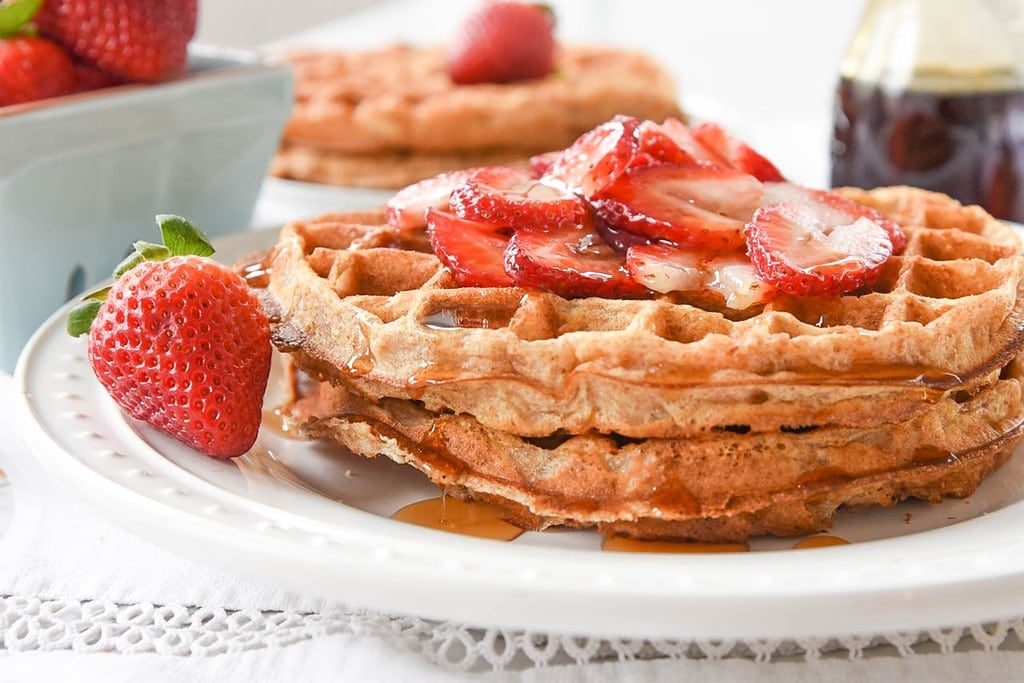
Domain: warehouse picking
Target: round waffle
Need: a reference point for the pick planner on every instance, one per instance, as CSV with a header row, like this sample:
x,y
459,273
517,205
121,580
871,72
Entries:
x,y
400,98
725,485
384,316
390,116
663,418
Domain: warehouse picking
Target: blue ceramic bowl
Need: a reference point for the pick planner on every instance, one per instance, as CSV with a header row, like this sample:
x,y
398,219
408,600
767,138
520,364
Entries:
x,y
82,177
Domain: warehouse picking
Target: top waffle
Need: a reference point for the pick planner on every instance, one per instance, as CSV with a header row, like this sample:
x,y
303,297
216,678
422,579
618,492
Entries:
x,y
399,99
365,303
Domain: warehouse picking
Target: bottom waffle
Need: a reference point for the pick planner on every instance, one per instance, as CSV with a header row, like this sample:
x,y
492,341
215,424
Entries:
x,y
726,485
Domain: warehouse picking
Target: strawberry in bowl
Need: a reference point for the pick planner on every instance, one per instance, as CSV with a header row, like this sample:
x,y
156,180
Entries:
x,y
51,48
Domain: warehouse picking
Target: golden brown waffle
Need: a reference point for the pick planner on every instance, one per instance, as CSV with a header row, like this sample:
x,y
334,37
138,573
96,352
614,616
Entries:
x,y
392,322
390,170
724,485
387,117
662,418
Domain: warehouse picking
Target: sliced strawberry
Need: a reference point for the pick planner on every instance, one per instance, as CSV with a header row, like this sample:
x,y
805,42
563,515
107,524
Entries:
x,y
471,250
407,208
620,240
540,164
801,249
683,136
657,147
665,268
736,153
696,204
572,262
513,197
597,158
833,208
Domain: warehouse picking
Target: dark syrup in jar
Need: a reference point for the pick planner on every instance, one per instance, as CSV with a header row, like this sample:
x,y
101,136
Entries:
x,y
967,145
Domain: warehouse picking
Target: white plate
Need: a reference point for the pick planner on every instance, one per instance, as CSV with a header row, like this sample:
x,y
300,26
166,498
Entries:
x,y
283,200
317,521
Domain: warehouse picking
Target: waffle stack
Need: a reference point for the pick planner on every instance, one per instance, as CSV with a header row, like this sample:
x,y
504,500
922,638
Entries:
x,y
388,117
657,418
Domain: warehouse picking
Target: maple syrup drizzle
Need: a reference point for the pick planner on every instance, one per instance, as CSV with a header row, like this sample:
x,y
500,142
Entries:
x,y
256,275
273,421
478,315
622,544
469,518
819,542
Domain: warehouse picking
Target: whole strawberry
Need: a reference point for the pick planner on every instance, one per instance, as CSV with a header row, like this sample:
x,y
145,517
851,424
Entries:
x,y
503,42
33,68
181,342
136,40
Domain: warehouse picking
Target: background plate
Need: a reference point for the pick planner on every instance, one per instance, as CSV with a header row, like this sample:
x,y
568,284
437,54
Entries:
x,y
307,517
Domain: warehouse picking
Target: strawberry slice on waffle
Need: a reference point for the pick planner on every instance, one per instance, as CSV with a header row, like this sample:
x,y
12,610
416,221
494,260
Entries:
x,y
512,196
694,204
664,268
810,249
597,158
472,250
407,209
736,153
571,261
833,209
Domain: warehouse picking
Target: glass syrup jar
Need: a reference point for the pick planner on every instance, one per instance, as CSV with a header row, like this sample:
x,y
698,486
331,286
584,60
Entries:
x,y
931,94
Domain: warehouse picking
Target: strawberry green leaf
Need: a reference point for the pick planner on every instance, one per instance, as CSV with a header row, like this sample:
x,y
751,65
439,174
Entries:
x,y
81,316
97,294
144,251
182,237
15,13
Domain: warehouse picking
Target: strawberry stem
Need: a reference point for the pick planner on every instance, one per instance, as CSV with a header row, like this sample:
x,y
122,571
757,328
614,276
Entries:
x,y
14,14
181,238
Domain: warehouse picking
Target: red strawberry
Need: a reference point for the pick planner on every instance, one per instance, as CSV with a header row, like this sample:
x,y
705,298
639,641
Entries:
x,y
834,208
803,249
571,261
513,197
88,78
597,158
33,68
182,343
473,251
666,268
408,207
736,153
683,136
503,42
540,164
696,204
658,147
137,40
618,239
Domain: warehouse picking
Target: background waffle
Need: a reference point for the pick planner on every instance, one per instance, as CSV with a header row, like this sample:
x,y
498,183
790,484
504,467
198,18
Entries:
x,y
390,116
368,306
